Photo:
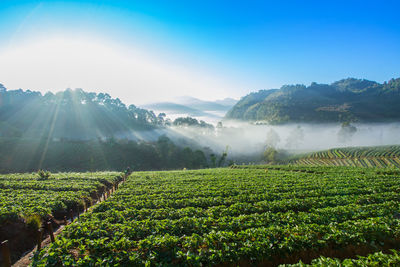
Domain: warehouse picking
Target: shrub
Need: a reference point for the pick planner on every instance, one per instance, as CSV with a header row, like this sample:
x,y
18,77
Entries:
x,y
43,175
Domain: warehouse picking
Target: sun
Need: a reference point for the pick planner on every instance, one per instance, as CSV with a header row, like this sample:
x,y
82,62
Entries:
x,y
132,73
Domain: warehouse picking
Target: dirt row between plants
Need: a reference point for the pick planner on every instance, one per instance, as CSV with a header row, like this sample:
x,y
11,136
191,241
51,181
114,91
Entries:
x,y
26,259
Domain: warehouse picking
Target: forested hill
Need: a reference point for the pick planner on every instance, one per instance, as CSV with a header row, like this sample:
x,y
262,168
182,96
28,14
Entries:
x,y
71,114
348,100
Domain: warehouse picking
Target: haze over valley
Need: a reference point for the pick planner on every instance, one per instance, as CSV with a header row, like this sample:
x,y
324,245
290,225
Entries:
x,y
199,133
296,119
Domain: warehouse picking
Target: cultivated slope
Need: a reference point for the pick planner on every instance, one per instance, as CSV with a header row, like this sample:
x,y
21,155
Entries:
x,y
381,156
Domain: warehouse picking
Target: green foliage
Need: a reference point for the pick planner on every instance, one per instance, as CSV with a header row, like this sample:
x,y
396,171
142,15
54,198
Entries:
x,y
43,175
244,215
345,100
71,114
33,222
117,155
26,202
270,154
213,159
381,156
23,196
374,259
222,159
189,121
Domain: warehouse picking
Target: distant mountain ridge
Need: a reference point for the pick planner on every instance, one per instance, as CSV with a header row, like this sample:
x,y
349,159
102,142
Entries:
x,y
195,107
353,100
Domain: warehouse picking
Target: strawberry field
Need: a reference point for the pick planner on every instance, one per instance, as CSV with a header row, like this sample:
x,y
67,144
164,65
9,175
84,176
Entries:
x,y
251,215
28,200
376,259
22,195
381,156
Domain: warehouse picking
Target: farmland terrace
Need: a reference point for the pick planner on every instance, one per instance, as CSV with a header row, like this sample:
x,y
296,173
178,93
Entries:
x,y
250,215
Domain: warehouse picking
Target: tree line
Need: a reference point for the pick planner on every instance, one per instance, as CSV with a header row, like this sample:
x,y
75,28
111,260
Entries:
x,y
28,155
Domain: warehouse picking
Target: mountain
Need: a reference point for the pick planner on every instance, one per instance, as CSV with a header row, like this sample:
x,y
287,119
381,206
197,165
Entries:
x,y
194,107
217,105
71,114
351,100
228,102
174,108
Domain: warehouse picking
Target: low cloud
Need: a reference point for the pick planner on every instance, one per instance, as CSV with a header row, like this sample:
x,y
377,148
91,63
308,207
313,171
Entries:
x,y
248,139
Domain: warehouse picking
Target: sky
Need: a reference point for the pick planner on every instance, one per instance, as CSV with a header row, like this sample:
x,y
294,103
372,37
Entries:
x,y
151,51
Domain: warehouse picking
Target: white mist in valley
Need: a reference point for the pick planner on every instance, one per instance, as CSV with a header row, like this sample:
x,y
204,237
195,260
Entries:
x,y
246,139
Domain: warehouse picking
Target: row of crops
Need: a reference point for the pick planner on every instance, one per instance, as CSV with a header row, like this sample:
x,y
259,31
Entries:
x,y
353,152
382,156
376,259
27,200
241,216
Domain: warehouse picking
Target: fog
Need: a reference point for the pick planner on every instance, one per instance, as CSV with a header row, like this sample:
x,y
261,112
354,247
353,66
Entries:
x,y
247,139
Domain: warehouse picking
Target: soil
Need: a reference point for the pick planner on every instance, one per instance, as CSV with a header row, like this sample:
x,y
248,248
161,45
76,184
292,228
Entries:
x,y
19,238
23,241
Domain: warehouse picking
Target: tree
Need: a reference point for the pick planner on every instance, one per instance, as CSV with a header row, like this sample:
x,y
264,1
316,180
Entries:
x,y
161,118
272,138
192,122
295,137
164,147
188,158
200,159
346,132
48,98
2,88
188,121
222,159
270,154
213,159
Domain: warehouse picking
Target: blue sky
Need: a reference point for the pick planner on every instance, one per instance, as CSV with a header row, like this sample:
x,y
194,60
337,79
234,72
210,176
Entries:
x,y
207,49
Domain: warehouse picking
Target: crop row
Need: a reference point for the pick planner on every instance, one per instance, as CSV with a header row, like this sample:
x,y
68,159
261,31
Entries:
x,y
231,216
375,259
359,152
28,200
383,156
356,162
22,195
